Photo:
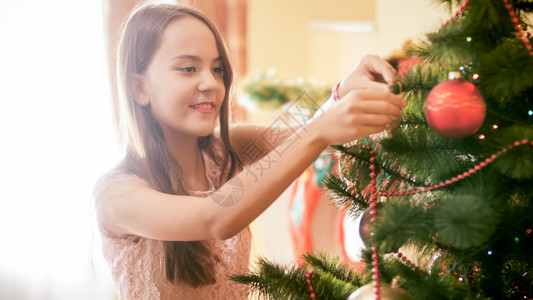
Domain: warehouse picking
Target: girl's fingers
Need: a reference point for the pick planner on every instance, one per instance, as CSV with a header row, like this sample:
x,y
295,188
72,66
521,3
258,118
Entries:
x,y
373,100
381,107
379,67
373,120
374,85
361,113
368,130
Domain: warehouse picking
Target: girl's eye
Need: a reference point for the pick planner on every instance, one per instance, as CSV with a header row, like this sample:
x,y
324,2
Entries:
x,y
218,70
188,69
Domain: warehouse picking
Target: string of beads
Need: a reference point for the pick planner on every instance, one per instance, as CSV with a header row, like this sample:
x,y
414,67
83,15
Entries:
x,y
457,14
407,261
373,212
464,175
375,193
521,28
311,290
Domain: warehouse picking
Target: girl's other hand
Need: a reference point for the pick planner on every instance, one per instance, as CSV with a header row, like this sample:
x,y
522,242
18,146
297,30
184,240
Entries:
x,y
372,72
360,113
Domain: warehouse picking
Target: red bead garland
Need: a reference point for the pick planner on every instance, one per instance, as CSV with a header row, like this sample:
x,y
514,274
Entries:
x,y
373,212
308,276
515,20
458,13
527,42
473,170
375,193
406,261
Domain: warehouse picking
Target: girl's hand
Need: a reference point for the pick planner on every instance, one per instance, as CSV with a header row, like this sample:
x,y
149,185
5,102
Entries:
x,y
360,113
372,72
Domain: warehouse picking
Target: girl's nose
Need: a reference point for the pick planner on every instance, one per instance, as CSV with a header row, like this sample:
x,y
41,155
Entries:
x,y
208,81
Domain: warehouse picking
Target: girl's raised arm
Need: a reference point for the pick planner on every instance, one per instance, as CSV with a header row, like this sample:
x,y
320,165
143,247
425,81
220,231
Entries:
x,y
133,208
252,142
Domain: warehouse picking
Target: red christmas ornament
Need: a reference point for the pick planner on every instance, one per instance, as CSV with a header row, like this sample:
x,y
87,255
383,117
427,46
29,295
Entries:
x,y
455,108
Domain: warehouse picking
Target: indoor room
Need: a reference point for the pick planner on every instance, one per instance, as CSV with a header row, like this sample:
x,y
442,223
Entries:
x,y
61,100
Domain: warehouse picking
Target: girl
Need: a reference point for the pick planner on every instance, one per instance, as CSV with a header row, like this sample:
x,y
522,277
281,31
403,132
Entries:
x,y
174,213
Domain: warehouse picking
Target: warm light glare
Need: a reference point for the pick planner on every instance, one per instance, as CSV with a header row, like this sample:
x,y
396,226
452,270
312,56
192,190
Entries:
x,y
475,76
57,137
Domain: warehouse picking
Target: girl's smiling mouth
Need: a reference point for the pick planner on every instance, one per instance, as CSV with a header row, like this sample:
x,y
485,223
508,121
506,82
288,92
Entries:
x,y
204,107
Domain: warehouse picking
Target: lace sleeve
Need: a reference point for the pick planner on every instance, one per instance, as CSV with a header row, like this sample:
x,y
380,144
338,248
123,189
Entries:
x,y
113,177
98,201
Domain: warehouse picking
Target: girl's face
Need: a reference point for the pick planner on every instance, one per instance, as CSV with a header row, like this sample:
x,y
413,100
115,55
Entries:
x,y
184,82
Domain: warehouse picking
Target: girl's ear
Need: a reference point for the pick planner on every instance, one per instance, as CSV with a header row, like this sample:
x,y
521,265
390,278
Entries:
x,y
139,93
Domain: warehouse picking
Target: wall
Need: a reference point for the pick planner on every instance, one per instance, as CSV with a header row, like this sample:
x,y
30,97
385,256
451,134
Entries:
x,y
280,33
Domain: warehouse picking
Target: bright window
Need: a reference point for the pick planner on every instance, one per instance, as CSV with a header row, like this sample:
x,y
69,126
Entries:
x,y
56,138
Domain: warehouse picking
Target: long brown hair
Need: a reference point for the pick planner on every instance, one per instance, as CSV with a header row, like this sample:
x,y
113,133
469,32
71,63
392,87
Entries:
x,y
189,262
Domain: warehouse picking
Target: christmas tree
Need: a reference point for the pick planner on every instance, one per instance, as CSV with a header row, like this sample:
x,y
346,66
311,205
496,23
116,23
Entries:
x,y
447,196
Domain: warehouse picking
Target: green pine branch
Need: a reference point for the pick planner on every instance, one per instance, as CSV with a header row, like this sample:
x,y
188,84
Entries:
x,y
342,195
506,71
326,263
397,223
329,277
274,281
518,162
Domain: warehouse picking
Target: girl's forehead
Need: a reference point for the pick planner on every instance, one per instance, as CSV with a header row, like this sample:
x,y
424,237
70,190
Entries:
x,y
188,32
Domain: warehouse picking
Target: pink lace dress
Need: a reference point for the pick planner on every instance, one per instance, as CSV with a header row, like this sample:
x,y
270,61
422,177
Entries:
x,y
138,268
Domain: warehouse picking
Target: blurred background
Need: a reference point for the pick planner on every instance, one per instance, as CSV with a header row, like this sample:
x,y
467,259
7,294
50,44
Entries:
x,y
57,125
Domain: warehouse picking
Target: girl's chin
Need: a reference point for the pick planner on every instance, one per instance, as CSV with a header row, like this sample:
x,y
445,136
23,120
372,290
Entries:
x,y
205,131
